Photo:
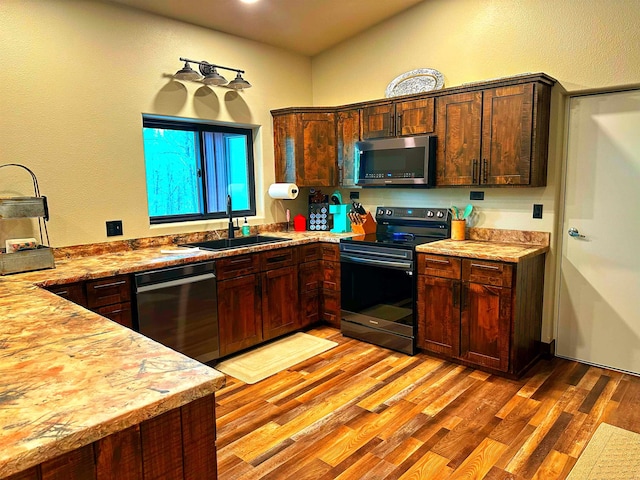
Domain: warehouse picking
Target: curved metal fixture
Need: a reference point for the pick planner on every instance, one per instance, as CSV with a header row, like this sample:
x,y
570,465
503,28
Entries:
x,y
210,75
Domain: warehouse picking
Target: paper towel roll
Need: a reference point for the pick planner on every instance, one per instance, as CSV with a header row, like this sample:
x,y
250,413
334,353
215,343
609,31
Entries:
x,y
285,191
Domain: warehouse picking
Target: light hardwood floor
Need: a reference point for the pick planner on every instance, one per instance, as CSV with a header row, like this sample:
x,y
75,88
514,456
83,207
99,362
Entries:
x,y
363,412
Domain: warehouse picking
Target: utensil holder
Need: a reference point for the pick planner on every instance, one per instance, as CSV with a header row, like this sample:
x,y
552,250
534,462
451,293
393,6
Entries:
x,y
368,225
458,229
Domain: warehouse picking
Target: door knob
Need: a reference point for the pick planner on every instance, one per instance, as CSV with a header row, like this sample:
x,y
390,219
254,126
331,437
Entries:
x,y
573,232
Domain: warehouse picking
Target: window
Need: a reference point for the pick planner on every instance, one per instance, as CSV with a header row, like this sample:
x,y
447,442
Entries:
x,y
192,167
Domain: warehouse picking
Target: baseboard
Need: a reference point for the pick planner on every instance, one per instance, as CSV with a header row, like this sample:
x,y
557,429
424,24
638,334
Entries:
x,y
548,350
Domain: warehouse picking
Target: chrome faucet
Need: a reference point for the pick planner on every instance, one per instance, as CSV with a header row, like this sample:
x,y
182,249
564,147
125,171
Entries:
x,y
232,229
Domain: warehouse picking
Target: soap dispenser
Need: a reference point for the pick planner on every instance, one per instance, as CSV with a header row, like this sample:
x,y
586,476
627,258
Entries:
x,y
245,228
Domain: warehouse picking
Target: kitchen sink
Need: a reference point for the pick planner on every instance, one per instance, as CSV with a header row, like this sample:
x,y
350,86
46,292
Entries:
x,y
227,243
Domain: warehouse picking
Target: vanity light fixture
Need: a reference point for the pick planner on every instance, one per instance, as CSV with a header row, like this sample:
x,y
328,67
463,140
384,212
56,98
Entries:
x,y
209,74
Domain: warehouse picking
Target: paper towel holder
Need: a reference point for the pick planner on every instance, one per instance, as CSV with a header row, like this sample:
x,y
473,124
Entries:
x,y
277,191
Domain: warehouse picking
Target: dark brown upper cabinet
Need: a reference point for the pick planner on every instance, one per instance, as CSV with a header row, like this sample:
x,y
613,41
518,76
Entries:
x,y
493,134
494,137
348,133
398,118
305,147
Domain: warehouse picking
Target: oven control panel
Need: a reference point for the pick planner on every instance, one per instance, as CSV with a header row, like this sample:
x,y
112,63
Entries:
x,y
435,214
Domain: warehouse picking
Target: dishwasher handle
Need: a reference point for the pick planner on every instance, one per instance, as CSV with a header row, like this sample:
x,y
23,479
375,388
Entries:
x,y
175,283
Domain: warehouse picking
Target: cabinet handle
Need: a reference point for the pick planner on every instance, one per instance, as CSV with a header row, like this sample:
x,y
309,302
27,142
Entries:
x,y
239,260
279,258
399,124
433,260
107,285
474,170
456,295
485,174
464,298
485,267
114,311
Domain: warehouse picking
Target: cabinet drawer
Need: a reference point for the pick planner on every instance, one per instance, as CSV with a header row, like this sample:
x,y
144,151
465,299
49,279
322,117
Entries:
x,y
310,275
282,257
439,266
331,276
487,273
330,252
108,291
330,307
73,292
309,253
237,266
119,313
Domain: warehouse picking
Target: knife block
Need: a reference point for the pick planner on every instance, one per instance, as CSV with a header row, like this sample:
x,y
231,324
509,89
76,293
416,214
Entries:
x,y
368,225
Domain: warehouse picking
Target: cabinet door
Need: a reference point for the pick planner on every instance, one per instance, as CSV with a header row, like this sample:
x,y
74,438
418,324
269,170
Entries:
x,y
348,133
377,121
309,275
485,325
330,307
74,292
119,313
316,165
439,315
239,313
458,129
280,302
415,117
506,135
285,141
305,149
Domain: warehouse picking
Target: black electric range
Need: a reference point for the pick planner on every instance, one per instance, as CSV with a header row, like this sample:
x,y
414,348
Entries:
x,y
378,288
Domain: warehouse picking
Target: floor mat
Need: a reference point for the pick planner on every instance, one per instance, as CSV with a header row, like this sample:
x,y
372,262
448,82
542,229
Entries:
x,y
258,364
612,454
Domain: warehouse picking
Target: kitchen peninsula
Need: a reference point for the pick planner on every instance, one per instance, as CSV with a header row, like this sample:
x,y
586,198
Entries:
x,y
80,393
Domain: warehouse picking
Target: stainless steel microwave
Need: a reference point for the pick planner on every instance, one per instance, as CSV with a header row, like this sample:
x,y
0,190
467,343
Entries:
x,y
399,162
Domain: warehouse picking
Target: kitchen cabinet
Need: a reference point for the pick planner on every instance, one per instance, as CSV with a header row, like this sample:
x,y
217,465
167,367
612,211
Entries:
x,y
279,292
493,137
309,277
481,313
110,297
398,118
347,134
305,147
239,303
74,292
330,286
257,298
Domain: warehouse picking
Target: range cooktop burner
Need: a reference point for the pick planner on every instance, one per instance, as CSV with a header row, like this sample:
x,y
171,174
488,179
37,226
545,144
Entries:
x,y
402,227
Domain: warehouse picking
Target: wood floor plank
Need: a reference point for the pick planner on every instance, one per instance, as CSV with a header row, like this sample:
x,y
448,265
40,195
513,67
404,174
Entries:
x,y
359,411
480,460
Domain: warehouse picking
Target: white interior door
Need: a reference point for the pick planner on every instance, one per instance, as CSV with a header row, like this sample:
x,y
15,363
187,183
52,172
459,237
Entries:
x,y
599,297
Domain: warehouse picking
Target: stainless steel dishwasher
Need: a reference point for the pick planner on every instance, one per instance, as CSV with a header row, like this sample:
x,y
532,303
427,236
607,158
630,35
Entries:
x,y
178,307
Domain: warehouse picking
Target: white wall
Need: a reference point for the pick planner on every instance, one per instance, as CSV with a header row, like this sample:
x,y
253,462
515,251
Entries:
x,y
77,77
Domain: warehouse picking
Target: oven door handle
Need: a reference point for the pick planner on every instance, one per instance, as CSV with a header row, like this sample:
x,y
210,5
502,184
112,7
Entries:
x,y
378,263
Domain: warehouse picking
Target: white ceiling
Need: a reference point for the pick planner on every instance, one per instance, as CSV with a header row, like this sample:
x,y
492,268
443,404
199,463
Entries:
x,y
302,26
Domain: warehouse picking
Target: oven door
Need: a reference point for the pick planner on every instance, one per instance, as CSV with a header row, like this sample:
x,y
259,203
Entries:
x,y
378,299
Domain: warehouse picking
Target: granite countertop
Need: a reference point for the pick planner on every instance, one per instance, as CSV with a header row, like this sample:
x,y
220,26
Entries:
x,y
488,244
69,377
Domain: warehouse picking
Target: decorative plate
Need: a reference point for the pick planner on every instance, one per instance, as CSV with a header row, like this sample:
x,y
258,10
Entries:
x,y
415,81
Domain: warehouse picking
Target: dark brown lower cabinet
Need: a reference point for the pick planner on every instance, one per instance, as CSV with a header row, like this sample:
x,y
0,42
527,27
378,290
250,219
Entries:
x,y
330,294
177,445
110,297
481,313
309,287
280,302
239,313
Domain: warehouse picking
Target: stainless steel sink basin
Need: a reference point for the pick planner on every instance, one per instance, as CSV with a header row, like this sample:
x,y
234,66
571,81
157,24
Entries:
x,y
227,243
